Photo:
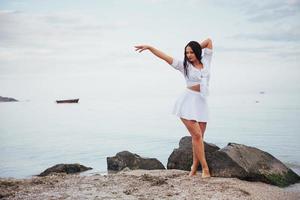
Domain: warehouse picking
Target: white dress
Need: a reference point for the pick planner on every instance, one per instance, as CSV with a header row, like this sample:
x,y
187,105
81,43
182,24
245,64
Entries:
x,y
192,105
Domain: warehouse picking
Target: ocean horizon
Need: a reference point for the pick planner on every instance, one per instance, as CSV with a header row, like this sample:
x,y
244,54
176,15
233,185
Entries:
x,y
39,133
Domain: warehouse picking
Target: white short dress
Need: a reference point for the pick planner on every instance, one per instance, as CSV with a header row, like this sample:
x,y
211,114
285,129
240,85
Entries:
x,y
192,105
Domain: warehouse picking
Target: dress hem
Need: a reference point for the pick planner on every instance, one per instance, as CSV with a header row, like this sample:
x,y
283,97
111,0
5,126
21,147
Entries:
x,y
189,118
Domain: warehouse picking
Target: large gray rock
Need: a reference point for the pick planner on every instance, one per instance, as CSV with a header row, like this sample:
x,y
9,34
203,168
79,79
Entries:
x,y
132,161
221,165
7,99
182,157
235,160
260,165
65,168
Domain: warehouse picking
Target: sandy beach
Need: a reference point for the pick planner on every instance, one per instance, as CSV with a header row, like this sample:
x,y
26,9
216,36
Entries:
x,y
141,184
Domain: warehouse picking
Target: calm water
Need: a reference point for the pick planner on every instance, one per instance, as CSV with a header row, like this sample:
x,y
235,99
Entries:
x,y
37,134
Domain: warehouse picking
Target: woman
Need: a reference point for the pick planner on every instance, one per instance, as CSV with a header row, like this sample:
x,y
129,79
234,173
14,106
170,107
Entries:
x,y
192,106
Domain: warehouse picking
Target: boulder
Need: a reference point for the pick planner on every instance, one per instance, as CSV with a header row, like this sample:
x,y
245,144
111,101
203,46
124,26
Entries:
x,y
133,161
221,165
235,160
182,157
260,165
65,168
7,99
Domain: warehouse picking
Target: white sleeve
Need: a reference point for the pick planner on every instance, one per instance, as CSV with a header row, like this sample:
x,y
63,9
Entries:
x,y
177,64
207,56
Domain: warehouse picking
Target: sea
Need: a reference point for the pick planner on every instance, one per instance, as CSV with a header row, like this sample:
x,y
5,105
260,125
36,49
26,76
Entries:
x,y
37,133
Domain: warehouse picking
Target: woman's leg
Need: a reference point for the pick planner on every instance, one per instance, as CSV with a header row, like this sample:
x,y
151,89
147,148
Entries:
x,y
195,165
198,145
205,172
203,128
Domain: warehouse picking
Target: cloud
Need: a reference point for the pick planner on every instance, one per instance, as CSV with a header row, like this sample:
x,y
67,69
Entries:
x,y
269,21
24,24
263,11
287,53
271,11
55,35
275,34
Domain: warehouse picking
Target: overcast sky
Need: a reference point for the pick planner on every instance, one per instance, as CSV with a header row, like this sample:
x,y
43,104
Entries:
x,y
256,43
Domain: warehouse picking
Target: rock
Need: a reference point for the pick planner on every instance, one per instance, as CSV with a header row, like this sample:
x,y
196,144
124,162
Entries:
x,y
65,168
222,165
235,161
132,161
260,165
7,99
182,157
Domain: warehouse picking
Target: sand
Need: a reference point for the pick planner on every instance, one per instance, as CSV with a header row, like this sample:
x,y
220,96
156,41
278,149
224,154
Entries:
x,y
141,184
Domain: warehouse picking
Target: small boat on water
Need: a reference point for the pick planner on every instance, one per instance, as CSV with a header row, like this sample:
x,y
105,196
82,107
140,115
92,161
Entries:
x,y
68,101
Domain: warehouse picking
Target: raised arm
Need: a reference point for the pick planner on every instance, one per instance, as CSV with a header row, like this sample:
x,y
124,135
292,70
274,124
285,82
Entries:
x,y
156,52
207,43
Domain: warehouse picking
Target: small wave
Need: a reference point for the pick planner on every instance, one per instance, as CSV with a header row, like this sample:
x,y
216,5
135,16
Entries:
x,y
294,166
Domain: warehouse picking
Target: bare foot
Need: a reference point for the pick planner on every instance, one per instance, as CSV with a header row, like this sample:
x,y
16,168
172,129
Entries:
x,y
193,171
205,173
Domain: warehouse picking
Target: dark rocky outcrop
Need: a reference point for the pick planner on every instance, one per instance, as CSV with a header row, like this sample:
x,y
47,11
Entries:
x,y
235,160
260,165
65,168
7,99
182,157
132,161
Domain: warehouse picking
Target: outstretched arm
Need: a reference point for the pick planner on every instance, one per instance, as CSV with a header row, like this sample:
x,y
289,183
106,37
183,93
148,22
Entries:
x,y
207,43
156,52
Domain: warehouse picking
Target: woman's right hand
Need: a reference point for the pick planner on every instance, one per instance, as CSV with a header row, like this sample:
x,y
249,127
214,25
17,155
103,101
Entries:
x,y
141,48
155,51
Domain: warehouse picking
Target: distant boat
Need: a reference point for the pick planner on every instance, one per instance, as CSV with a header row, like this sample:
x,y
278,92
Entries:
x,y
7,99
68,101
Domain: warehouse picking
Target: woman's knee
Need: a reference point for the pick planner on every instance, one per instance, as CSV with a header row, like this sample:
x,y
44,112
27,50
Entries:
x,y
196,132
194,129
202,127
196,136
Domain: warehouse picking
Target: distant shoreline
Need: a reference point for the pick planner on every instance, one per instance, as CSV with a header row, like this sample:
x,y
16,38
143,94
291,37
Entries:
x,y
295,168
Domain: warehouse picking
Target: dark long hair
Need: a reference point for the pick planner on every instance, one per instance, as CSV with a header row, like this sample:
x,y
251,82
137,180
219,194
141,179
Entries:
x,y
197,49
